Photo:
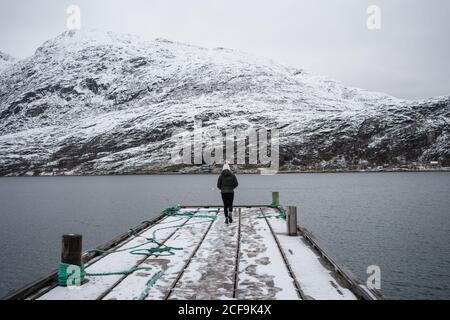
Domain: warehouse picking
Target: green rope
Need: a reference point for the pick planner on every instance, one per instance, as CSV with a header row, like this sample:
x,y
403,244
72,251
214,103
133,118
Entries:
x,y
74,275
149,285
120,250
190,214
117,273
69,274
282,214
139,251
174,211
171,210
157,252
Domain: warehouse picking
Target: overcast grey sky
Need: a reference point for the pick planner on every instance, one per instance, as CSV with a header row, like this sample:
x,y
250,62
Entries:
x,y
408,58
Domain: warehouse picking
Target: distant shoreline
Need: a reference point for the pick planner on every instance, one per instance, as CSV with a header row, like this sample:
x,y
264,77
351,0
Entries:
x,y
444,169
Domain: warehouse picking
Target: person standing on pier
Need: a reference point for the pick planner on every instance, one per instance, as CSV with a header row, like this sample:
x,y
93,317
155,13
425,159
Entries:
x,y
227,183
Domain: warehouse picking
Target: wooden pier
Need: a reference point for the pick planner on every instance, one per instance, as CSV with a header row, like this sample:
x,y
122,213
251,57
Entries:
x,y
190,253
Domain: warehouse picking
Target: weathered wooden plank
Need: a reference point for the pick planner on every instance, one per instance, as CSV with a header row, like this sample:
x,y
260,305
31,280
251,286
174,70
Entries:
x,y
253,258
262,272
315,279
286,262
166,268
210,274
41,286
96,286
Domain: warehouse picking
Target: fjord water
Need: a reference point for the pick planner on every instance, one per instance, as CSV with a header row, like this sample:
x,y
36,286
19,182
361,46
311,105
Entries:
x,y
398,221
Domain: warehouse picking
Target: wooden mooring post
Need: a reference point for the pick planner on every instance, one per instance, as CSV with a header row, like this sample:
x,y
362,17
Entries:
x,y
291,220
275,198
71,249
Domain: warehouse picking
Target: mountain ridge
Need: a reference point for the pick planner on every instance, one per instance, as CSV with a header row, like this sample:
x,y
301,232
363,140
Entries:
x,y
95,102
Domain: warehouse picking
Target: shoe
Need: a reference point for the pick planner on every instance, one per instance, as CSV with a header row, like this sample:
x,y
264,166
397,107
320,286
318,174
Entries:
x,y
226,220
230,219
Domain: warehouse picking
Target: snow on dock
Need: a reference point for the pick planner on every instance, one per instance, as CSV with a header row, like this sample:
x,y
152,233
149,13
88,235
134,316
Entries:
x,y
201,257
315,280
262,272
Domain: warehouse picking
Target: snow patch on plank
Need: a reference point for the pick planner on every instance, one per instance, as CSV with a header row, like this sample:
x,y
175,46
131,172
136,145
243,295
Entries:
x,y
95,286
210,274
262,272
316,281
186,238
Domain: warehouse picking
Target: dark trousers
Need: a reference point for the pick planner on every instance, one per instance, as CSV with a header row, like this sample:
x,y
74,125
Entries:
x,y
227,203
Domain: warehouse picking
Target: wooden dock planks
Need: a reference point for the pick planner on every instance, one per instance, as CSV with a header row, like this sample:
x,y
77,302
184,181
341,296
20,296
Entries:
x,y
262,272
187,238
252,258
316,281
210,273
97,287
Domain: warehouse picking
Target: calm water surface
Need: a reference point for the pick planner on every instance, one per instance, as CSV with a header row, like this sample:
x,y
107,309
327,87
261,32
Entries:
x,y
398,221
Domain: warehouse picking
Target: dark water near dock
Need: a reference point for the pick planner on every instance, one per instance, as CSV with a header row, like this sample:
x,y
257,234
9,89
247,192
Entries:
x,y
398,221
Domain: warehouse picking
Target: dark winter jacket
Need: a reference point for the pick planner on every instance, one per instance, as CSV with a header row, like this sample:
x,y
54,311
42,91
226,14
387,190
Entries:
x,y
227,182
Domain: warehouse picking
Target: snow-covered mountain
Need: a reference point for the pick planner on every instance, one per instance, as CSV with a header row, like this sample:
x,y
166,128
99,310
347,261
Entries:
x,y
91,102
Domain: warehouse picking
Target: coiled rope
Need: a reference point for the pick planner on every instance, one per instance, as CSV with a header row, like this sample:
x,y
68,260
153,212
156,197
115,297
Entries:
x,y
69,274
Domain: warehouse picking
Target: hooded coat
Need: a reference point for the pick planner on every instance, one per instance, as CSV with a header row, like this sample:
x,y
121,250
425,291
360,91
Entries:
x,y
227,181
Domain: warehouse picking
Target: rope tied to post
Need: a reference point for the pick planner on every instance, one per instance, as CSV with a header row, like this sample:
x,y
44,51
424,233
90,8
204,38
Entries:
x,y
70,274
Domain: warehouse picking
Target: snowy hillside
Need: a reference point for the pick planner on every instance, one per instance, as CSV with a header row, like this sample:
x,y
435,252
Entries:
x,y
93,102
